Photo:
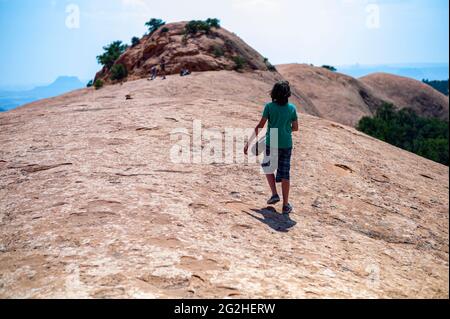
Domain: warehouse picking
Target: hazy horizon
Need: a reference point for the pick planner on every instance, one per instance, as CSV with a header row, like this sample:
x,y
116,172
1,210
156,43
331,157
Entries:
x,y
340,68
64,37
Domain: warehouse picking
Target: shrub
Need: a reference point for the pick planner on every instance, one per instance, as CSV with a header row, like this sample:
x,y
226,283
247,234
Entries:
x,y
218,52
195,26
118,72
135,41
213,23
441,86
90,84
111,54
184,40
329,67
98,84
426,137
269,65
239,62
154,24
272,68
164,30
229,45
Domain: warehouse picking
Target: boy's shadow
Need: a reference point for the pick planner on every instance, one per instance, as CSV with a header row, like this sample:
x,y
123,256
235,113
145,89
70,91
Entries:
x,y
276,221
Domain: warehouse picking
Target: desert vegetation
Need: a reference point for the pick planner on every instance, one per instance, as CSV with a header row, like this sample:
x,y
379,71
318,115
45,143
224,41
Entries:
x,y
239,62
154,24
441,86
196,26
269,65
111,53
98,84
218,51
135,41
118,72
426,137
329,68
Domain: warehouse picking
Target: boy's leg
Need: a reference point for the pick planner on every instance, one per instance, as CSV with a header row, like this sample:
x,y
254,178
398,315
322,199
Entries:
x,y
272,184
269,168
286,186
283,174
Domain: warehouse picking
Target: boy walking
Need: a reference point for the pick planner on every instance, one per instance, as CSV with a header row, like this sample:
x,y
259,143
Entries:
x,y
282,118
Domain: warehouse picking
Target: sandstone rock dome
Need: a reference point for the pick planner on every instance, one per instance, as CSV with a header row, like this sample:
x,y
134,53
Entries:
x,y
405,92
346,100
198,52
336,96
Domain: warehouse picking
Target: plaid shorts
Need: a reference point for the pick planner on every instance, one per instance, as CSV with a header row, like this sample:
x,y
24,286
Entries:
x,y
282,160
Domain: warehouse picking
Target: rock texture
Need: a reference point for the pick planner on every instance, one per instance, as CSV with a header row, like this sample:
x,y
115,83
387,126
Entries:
x,y
92,207
214,51
346,100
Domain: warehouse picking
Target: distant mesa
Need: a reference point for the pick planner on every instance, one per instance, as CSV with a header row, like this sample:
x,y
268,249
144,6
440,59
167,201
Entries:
x,y
14,99
61,85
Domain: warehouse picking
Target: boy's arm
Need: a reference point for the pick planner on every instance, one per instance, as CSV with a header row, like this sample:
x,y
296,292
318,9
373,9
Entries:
x,y
258,128
295,120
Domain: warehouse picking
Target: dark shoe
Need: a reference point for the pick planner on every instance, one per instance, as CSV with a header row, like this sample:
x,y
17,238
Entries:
x,y
288,209
275,199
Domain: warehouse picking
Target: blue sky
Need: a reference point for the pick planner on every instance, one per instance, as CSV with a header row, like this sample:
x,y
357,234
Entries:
x,y
40,40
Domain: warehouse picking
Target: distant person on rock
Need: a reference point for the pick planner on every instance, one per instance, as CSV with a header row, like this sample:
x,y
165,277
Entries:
x,y
153,72
185,72
283,120
163,68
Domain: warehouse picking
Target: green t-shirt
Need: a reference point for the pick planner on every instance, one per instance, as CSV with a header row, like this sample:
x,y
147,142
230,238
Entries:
x,y
281,118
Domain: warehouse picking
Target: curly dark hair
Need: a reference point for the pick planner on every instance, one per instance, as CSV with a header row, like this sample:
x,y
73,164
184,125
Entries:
x,y
281,93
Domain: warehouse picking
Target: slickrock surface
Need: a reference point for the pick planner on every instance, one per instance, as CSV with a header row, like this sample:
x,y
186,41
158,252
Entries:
x,y
92,207
345,100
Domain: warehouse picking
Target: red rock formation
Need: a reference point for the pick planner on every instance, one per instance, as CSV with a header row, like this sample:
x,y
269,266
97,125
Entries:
x,y
200,52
